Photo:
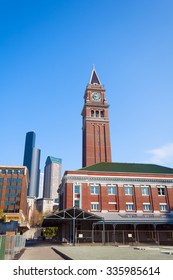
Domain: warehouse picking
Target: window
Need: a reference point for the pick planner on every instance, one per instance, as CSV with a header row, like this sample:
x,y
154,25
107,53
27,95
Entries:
x,y
111,190
77,189
77,203
128,190
9,171
92,113
102,114
94,189
161,190
95,206
145,190
146,207
130,206
163,207
97,114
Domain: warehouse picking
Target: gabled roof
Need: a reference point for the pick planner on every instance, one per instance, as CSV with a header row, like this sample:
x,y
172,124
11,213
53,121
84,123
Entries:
x,y
94,79
68,215
129,168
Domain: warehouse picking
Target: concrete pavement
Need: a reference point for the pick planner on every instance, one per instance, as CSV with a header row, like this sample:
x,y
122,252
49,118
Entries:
x,y
91,252
40,253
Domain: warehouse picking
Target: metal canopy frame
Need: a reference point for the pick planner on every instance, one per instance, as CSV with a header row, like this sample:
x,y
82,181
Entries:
x,y
67,215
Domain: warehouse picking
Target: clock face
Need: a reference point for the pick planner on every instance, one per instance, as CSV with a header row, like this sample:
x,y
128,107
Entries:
x,y
96,96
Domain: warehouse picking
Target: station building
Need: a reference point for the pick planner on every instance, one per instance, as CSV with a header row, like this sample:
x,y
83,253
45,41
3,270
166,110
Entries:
x,y
107,201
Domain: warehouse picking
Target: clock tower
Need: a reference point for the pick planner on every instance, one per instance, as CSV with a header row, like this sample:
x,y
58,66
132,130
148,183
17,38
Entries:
x,y
96,133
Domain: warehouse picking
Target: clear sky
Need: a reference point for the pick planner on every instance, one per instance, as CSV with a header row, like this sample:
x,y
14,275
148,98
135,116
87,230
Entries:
x,y
47,49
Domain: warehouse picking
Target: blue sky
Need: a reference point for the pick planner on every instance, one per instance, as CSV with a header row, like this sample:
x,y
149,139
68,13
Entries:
x,y
47,49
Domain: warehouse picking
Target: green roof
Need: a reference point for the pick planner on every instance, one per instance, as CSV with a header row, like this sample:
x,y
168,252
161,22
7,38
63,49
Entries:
x,y
128,167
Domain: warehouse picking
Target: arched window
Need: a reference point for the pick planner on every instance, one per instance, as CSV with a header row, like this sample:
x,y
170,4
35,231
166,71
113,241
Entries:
x,y
92,113
102,114
97,114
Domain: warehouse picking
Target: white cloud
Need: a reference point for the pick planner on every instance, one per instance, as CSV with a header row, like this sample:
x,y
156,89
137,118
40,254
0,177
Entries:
x,y
162,155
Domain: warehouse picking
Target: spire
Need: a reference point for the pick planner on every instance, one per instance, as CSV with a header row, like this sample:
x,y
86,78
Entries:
x,y
94,79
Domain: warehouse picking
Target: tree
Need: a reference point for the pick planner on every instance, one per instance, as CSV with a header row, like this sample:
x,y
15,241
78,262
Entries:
x,y
50,232
2,216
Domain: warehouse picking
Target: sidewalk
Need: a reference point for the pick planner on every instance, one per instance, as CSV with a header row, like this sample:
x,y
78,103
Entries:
x,y
40,253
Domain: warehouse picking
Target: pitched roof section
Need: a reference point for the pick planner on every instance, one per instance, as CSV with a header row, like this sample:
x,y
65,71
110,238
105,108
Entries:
x,y
129,168
94,79
50,160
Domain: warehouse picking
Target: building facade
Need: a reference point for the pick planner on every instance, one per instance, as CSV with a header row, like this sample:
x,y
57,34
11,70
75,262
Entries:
x,y
32,162
52,177
13,193
119,187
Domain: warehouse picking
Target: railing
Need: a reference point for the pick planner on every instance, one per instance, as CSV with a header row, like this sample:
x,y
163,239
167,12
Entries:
x,y
10,245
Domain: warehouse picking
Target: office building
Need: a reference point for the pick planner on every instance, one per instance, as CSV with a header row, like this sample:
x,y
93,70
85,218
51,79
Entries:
x,y
32,161
52,177
13,193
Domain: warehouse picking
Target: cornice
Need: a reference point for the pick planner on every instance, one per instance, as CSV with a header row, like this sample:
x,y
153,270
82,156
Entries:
x,y
109,180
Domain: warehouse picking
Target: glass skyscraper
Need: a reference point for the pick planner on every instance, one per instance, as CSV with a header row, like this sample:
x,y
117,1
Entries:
x,y
32,161
52,177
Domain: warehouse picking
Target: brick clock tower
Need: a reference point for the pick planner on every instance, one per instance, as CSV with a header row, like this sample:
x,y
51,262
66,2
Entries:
x,y
96,133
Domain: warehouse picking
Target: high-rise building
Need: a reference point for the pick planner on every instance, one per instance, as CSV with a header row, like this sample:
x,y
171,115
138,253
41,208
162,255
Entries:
x,y
41,181
32,161
52,177
35,173
96,134
29,145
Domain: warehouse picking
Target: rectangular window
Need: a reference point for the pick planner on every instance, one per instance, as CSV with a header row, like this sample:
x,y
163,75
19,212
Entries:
x,y
163,207
77,189
77,203
94,189
161,190
130,206
145,190
94,206
128,190
146,207
111,190
14,180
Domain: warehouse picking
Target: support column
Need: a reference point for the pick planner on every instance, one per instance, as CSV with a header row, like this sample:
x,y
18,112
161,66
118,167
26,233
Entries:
x,y
103,234
74,230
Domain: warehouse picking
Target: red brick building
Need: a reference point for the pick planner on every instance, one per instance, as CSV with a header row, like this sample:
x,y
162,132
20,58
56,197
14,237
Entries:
x,y
119,187
107,201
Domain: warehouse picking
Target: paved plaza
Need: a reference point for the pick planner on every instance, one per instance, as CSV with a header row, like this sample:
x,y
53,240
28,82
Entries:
x,y
58,252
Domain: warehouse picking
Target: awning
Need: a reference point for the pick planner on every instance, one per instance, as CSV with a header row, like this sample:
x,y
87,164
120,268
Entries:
x,y
66,215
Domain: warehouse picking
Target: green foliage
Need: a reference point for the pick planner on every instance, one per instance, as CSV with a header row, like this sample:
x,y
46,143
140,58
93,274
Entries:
x,y
2,216
49,232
